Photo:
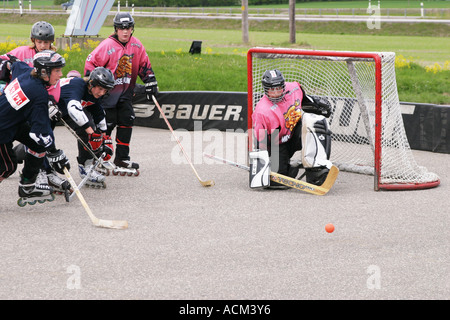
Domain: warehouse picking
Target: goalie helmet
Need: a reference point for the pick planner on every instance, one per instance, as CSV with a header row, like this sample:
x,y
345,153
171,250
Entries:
x,y
123,20
102,77
42,30
47,60
273,79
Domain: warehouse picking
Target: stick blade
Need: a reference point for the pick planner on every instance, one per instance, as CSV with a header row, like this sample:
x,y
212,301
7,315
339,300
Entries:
x,y
112,224
108,165
208,183
331,178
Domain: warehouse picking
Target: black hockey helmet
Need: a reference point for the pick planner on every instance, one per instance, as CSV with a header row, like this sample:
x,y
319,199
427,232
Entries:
x,y
47,60
42,30
273,79
102,77
123,20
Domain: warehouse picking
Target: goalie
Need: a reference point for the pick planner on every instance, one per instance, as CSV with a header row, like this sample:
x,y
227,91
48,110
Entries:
x,y
287,120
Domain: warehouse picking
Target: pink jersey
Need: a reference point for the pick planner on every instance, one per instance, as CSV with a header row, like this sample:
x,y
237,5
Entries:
x,y
284,115
125,61
26,54
23,53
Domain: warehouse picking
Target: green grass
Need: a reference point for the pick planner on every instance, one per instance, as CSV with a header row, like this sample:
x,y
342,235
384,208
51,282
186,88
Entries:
x,y
222,65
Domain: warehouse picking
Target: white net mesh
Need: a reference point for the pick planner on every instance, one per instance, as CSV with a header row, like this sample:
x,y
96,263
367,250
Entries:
x,y
349,83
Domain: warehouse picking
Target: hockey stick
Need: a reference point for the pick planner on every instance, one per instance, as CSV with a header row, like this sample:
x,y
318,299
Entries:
x,y
291,182
88,174
112,224
207,183
108,165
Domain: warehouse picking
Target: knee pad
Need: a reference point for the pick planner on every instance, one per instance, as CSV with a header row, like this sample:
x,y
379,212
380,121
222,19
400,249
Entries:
x,y
316,140
20,152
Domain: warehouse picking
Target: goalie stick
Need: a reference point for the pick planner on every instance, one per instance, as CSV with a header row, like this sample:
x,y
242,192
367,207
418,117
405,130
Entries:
x,y
291,182
207,183
111,224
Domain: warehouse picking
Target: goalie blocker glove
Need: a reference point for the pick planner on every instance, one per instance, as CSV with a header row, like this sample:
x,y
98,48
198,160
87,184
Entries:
x,y
259,169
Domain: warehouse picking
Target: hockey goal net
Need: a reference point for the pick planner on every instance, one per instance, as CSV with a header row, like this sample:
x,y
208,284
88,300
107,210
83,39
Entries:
x,y
368,132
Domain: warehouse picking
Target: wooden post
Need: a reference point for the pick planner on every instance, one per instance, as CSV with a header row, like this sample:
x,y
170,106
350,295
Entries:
x,y
245,21
292,21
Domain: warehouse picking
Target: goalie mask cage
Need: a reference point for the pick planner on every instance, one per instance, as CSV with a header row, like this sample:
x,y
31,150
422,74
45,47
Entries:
x,y
368,135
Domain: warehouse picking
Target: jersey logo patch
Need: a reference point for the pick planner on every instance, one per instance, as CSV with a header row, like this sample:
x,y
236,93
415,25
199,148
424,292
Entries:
x,y
85,104
293,115
124,67
64,81
15,95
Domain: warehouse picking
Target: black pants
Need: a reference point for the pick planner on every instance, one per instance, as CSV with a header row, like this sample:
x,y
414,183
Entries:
x,y
34,158
121,117
281,154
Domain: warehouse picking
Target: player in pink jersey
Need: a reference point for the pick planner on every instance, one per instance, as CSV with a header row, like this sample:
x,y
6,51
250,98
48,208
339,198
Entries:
x,y
42,36
126,57
286,120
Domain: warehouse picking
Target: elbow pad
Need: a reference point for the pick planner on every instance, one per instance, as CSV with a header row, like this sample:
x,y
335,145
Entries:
x,y
102,125
76,112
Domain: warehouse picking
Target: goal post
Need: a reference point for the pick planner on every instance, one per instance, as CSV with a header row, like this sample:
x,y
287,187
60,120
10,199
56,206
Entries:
x,y
368,134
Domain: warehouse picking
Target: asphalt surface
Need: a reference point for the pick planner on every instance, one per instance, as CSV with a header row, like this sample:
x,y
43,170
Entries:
x,y
186,241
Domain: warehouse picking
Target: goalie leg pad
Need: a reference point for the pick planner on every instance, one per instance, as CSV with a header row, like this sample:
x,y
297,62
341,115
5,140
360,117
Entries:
x,y
316,139
259,169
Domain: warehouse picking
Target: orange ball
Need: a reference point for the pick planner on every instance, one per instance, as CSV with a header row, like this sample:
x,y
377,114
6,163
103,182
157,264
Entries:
x,y
329,228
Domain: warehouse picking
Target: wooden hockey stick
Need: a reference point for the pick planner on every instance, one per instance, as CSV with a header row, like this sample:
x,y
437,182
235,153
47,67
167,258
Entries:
x,y
112,224
106,164
207,183
291,182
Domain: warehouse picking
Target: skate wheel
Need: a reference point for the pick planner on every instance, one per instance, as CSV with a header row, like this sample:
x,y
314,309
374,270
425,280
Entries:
x,y
21,203
107,173
41,201
115,173
130,174
136,173
123,174
32,203
53,198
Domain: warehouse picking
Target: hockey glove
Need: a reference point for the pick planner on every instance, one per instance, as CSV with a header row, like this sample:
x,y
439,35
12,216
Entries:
x,y
316,105
108,147
151,87
58,160
12,58
53,111
95,141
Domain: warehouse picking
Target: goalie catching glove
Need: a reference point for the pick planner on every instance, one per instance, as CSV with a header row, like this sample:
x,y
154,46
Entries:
x,y
58,160
317,105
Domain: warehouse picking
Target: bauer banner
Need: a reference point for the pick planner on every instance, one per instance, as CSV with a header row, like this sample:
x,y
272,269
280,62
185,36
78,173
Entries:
x,y
215,110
